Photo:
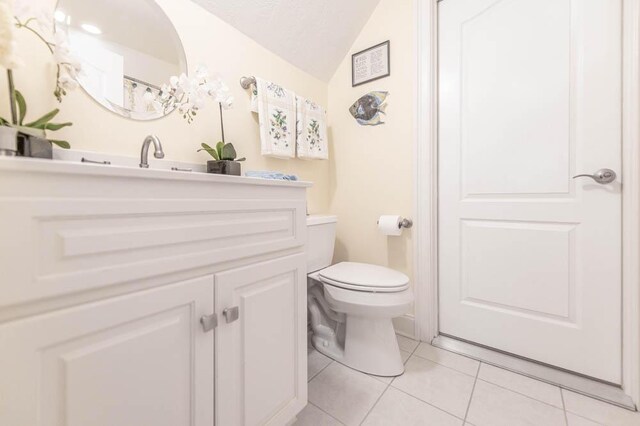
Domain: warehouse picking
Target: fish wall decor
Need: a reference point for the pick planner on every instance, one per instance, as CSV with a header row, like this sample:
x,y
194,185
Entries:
x,y
370,108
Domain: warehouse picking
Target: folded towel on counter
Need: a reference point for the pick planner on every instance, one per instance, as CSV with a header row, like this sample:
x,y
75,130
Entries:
x,y
270,175
311,130
276,108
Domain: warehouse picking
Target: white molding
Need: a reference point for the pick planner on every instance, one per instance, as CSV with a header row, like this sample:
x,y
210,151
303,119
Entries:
x,y
631,200
425,243
426,172
405,326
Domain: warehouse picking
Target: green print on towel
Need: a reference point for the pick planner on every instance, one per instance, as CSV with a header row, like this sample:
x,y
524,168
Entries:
x,y
279,129
313,136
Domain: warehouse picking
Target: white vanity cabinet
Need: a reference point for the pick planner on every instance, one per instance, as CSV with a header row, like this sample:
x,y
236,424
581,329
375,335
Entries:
x,y
107,274
262,354
137,359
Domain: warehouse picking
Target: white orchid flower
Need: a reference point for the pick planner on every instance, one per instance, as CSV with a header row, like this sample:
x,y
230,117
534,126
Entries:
x,y
227,103
67,82
61,49
174,82
202,72
189,94
185,107
8,48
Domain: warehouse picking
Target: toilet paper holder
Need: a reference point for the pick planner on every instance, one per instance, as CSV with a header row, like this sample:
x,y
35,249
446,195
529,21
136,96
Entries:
x,y
404,223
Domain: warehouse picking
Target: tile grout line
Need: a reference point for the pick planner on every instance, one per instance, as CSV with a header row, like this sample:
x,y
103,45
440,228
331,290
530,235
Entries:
x,y
426,402
466,413
375,403
445,366
309,380
412,354
564,408
320,371
567,412
525,395
388,385
310,403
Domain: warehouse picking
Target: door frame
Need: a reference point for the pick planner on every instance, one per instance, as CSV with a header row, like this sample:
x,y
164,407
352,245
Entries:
x,y
425,246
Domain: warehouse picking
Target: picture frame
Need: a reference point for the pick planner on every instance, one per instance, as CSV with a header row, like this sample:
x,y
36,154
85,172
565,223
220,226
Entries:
x,y
371,64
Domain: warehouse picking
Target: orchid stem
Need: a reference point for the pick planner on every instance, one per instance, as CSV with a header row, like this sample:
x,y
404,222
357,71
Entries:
x,y
12,97
221,121
26,26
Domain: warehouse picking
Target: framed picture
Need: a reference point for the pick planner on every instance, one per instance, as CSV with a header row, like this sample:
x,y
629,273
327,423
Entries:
x,y
371,64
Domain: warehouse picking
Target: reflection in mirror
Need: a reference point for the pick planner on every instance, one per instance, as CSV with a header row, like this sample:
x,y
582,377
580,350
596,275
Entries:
x,y
128,50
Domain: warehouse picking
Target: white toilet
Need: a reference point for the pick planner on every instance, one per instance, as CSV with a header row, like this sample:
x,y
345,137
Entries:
x,y
351,305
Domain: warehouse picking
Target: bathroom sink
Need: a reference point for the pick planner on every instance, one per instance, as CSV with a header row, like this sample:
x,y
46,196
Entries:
x,y
110,160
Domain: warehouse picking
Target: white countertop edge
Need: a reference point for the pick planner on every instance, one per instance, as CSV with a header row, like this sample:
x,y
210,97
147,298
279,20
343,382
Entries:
x,y
36,165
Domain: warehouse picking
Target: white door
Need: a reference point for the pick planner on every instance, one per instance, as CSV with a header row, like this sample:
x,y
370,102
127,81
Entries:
x,y
529,96
138,359
261,357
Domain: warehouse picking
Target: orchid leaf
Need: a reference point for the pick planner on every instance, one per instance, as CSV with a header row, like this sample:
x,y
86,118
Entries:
x,y
31,131
219,147
228,152
61,144
210,150
4,122
22,107
241,159
54,126
44,119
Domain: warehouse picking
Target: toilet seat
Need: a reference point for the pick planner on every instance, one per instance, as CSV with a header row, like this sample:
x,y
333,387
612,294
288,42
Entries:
x,y
373,305
364,277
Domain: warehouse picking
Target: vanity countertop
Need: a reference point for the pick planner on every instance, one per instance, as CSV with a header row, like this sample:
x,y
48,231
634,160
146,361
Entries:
x,y
33,165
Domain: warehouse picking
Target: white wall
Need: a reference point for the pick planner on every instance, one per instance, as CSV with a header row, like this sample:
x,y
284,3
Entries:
x,y
207,40
371,171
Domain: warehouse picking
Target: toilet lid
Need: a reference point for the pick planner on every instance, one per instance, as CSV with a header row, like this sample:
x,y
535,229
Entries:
x,y
364,277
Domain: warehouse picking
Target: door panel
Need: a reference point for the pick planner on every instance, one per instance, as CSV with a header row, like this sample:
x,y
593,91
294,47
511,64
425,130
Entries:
x,y
529,96
139,359
261,358
506,58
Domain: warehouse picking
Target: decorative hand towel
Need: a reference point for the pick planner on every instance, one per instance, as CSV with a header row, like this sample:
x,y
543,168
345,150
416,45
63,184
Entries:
x,y
276,108
270,175
311,130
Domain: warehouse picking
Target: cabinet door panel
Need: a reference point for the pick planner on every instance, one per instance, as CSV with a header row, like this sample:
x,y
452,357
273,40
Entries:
x,y
261,357
138,359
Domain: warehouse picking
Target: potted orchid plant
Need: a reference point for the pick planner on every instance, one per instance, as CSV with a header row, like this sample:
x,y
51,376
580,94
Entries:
x,y
225,159
188,96
17,134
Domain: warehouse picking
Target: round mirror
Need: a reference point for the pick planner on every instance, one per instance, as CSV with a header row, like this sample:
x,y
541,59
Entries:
x,y
128,50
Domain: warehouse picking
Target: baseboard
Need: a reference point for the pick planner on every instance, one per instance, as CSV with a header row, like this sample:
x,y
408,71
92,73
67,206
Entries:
x,y
405,326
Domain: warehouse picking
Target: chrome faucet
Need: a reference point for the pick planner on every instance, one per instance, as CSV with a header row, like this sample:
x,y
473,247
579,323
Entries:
x,y
157,150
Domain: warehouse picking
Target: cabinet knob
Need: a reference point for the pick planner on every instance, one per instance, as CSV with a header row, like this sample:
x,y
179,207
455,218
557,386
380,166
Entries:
x,y
209,322
231,314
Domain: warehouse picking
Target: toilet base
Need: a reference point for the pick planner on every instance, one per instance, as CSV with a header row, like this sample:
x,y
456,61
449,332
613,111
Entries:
x,y
370,346
355,328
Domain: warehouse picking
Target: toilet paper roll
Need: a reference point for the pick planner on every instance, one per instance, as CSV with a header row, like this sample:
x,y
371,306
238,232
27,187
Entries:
x,y
390,225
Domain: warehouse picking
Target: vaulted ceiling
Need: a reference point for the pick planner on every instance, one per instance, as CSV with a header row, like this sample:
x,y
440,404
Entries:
x,y
313,35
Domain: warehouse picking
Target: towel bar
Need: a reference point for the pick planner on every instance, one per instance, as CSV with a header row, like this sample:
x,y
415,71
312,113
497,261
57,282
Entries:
x,y
246,82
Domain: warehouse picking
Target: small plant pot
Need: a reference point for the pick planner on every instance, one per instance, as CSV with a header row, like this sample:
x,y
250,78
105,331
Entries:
x,y
224,167
8,141
33,146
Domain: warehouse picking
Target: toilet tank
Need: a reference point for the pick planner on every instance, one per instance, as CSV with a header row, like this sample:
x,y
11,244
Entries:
x,y
321,237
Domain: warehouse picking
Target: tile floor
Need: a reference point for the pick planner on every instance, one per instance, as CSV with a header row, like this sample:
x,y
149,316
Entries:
x,y
443,388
